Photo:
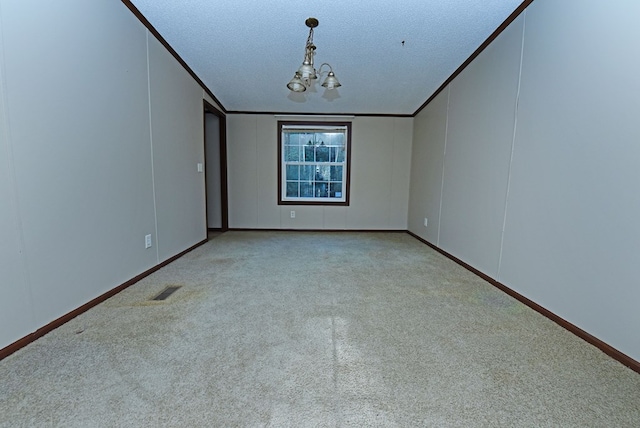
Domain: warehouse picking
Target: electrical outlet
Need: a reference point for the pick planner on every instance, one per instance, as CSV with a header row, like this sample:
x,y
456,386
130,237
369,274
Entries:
x,y
200,167
293,214
147,241
425,222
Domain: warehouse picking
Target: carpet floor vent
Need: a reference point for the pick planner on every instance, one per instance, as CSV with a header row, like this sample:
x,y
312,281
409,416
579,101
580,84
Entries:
x,y
164,295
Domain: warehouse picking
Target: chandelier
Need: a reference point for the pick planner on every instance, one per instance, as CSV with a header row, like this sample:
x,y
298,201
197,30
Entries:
x,y
307,74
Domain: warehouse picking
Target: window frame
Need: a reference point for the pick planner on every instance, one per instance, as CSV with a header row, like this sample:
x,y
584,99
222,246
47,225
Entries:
x,y
318,127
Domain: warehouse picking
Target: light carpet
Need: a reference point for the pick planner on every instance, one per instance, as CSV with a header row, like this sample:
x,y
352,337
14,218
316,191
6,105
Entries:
x,y
304,329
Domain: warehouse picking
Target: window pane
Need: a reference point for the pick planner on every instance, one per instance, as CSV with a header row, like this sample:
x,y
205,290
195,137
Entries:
x,y
322,173
336,173
333,154
335,190
306,190
292,172
307,172
308,153
322,153
292,189
291,153
340,157
321,189
324,137
294,138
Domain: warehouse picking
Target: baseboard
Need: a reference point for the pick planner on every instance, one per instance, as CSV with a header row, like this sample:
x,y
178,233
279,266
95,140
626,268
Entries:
x,y
249,229
604,347
21,343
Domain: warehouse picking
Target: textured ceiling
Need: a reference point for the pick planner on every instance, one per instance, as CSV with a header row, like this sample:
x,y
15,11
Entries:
x,y
247,51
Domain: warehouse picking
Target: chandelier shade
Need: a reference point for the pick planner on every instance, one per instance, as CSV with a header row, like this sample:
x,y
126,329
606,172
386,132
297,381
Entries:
x,y
331,82
296,84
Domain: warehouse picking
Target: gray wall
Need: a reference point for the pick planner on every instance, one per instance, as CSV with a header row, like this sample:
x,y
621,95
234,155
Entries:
x,y
527,164
101,135
381,150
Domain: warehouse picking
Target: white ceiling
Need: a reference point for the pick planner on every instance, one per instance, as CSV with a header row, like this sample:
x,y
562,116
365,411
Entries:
x,y
246,51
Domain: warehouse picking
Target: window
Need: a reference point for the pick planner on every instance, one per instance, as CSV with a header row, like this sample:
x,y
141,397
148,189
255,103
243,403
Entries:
x,y
313,163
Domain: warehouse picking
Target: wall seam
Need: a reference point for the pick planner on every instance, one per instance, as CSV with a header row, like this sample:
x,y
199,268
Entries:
x,y
257,175
513,144
13,177
409,189
153,175
392,171
444,155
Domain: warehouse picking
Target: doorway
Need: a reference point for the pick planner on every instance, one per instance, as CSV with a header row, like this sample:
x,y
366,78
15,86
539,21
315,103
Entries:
x,y
215,149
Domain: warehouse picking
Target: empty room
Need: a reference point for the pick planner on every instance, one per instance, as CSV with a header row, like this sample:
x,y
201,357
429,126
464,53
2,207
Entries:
x,y
273,213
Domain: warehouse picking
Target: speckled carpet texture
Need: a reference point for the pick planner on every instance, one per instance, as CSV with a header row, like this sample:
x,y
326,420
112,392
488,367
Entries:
x,y
306,329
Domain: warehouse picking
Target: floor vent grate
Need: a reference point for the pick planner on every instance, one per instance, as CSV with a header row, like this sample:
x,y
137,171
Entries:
x,y
166,293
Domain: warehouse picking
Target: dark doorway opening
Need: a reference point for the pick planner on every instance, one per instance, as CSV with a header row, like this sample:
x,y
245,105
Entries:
x,y
215,148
